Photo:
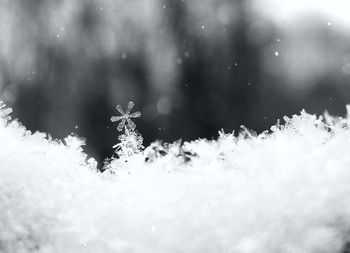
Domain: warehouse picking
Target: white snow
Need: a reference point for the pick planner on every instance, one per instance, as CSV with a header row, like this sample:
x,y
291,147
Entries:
x,y
286,191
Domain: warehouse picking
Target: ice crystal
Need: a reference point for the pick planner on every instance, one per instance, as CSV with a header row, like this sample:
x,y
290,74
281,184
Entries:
x,y
126,122
131,140
130,143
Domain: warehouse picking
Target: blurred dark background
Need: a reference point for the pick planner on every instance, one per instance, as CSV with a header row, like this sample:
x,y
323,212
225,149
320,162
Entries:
x,y
192,67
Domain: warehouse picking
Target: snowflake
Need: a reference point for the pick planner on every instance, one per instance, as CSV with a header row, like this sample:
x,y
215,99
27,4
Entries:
x,y
125,118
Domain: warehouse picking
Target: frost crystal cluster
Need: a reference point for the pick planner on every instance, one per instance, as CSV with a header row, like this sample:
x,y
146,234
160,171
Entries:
x,y
130,140
5,112
286,190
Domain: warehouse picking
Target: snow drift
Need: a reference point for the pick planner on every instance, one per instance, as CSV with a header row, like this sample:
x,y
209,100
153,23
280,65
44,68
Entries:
x,y
284,191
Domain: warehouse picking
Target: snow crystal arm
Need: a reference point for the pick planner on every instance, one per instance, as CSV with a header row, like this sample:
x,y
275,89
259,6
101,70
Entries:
x,y
120,109
121,125
130,106
135,115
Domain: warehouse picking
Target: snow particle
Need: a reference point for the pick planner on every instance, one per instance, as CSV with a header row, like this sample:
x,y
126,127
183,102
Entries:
x,y
329,23
187,54
277,53
179,61
125,118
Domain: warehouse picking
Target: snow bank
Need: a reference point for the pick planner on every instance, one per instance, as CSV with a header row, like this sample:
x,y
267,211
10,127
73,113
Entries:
x,y
283,191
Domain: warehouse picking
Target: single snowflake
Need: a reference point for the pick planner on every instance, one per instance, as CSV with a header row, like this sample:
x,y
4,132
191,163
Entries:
x,y
125,118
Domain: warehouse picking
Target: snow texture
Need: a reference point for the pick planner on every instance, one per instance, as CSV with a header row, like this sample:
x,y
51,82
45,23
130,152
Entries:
x,y
285,191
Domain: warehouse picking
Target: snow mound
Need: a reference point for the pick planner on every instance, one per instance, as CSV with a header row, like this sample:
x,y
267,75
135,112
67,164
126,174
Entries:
x,y
285,191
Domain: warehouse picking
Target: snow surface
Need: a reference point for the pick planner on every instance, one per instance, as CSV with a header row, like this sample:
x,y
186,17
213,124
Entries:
x,y
285,191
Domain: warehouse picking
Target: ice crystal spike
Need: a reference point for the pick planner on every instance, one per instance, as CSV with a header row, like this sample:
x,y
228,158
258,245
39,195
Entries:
x,y
126,122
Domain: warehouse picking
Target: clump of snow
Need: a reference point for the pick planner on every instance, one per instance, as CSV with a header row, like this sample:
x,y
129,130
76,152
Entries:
x,y
43,185
285,191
